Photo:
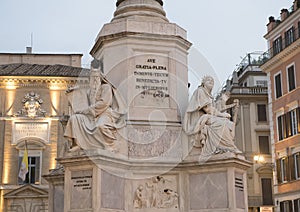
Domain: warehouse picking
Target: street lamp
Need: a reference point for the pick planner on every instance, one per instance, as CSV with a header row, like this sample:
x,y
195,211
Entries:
x,y
259,159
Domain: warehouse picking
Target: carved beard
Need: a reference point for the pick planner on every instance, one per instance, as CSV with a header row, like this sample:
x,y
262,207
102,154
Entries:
x,y
95,87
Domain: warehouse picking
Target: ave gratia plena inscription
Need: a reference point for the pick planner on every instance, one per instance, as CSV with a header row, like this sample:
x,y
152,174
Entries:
x,y
151,79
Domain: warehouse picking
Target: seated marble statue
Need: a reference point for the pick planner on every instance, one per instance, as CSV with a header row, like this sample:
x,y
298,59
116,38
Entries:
x,y
95,125
206,126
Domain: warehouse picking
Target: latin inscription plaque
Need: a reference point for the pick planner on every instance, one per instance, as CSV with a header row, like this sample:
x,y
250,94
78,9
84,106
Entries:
x,y
151,81
81,189
23,130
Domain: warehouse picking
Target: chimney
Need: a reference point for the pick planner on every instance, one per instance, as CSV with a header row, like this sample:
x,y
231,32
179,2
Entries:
x,y
28,50
271,25
284,14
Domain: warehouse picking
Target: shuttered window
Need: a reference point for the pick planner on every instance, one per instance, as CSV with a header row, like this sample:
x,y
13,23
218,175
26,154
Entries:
x,y
289,36
264,147
281,127
277,45
286,206
297,165
266,184
291,78
261,112
278,89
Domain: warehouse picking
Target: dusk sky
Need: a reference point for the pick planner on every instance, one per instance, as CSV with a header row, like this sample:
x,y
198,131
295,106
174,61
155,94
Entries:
x,y
222,32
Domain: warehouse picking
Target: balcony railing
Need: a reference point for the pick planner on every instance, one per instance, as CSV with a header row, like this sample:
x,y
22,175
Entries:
x,y
281,43
252,60
250,90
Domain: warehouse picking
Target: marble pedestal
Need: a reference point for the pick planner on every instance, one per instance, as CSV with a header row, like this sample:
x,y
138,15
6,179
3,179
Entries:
x,y
102,183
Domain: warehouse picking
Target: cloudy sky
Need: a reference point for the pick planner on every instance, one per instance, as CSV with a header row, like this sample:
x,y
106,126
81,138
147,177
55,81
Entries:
x,y
222,31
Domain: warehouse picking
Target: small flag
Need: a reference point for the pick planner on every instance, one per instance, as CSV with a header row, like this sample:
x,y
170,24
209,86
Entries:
x,y
24,165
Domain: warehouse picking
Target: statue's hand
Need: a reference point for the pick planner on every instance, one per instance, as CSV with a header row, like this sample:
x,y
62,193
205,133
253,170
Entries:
x,y
226,115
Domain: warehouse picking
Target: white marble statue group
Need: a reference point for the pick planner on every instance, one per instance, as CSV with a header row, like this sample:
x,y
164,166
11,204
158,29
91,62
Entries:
x,y
95,124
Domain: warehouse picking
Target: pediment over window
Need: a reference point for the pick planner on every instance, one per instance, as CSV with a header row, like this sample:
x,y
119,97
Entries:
x,y
31,144
27,191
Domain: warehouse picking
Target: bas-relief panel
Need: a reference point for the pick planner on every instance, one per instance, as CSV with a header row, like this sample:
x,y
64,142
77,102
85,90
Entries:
x,y
145,142
208,191
158,192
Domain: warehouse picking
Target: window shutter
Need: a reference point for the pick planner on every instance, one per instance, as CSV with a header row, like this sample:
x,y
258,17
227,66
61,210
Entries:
x,y
298,118
296,205
288,124
280,129
284,122
278,167
37,170
282,207
290,205
286,38
286,170
292,167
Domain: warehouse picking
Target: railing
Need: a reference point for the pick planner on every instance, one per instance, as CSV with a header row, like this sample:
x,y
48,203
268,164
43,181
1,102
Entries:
x,y
281,43
251,59
250,90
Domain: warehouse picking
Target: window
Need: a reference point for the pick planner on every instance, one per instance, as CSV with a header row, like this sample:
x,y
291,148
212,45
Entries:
x,y
292,125
266,186
278,90
280,127
282,170
33,175
297,205
297,166
291,78
277,45
261,112
289,36
286,206
264,147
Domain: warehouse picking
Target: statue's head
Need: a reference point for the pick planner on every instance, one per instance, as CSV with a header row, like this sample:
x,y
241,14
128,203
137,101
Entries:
x,y
208,82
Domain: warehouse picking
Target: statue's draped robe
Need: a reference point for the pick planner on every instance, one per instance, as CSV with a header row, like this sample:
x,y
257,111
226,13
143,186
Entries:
x,y
218,131
98,128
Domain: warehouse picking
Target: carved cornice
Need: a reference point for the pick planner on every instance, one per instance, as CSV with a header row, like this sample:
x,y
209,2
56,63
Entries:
x,y
51,83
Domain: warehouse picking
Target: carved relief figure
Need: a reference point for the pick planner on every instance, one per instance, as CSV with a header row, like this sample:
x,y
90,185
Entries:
x,y
140,200
206,126
95,125
156,195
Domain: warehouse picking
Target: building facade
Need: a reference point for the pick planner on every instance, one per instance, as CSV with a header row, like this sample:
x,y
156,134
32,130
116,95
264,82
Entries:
x,y
33,106
248,84
283,70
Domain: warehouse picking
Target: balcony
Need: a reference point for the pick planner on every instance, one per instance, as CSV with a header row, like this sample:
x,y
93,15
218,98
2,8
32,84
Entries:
x,y
250,62
281,43
249,90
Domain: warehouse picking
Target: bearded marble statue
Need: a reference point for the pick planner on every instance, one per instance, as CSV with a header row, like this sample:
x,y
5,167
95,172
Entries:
x,y
95,124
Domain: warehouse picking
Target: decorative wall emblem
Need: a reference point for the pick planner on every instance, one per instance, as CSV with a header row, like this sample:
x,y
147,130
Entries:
x,y
31,106
155,194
